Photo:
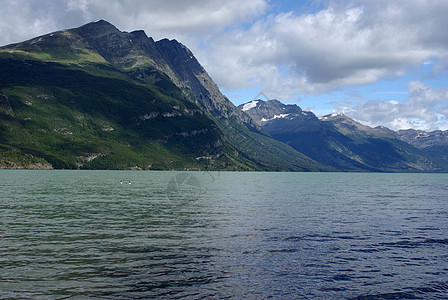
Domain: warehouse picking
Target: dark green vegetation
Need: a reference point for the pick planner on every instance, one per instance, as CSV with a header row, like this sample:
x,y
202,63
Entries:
x,y
74,119
97,98
342,143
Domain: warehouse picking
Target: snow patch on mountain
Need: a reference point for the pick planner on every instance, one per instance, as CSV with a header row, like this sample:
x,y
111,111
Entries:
x,y
250,105
281,116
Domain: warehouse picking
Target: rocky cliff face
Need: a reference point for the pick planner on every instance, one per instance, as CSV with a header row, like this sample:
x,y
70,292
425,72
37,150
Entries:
x,y
137,53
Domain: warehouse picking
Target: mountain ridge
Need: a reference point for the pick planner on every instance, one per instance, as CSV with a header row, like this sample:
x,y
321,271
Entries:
x,y
92,96
343,143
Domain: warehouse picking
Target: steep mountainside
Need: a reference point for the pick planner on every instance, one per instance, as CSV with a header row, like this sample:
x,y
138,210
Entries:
x,y
434,144
141,56
339,141
422,139
96,97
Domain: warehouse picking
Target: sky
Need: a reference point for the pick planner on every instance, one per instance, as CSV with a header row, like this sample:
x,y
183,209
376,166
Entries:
x,y
380,62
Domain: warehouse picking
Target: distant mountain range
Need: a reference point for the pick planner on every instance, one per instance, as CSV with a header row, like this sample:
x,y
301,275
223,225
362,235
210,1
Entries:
x,y
95,97
338,141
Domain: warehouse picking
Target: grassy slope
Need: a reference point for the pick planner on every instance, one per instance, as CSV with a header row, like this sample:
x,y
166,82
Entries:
x,y
80,112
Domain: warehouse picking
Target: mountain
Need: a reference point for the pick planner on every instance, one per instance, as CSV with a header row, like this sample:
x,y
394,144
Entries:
x,y
434,144
339,141
276,117
423,139
95,97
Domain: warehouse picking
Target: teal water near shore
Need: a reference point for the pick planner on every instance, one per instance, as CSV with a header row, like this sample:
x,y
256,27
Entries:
x,y
137,234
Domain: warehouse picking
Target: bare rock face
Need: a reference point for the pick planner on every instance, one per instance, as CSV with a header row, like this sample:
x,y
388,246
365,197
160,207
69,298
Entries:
x,y
122,49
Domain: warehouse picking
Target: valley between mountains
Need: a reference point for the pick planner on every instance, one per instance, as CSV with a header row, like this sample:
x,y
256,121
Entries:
x,y
95,97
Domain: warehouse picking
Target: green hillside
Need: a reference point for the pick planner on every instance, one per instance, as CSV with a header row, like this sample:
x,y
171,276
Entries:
x,y
89,115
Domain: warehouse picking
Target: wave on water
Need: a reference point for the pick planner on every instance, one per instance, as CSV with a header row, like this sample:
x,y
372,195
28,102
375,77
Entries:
x,y
432,291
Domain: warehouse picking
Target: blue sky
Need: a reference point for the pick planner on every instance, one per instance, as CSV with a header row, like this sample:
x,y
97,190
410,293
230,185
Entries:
x,y
380,62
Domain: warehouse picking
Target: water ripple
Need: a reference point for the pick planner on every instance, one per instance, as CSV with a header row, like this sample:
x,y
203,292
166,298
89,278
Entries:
x,y
78,234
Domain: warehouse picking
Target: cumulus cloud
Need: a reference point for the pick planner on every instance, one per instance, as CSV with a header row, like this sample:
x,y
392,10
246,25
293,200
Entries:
x,y
22,19
348,44
425,108
342,44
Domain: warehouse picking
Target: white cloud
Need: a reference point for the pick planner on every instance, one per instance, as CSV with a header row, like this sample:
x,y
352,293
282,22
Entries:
x,y
344,44
348,44
425,108
24,19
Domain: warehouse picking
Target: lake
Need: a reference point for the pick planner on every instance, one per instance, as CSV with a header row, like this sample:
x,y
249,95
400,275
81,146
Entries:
x,y
238,235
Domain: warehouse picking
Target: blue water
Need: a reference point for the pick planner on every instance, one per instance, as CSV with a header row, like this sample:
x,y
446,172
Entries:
x,y
83,234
